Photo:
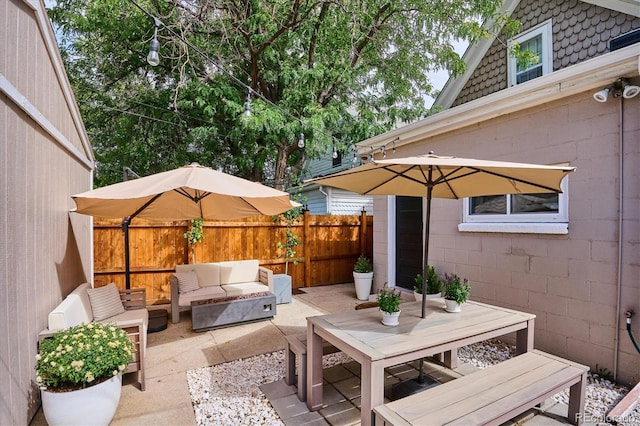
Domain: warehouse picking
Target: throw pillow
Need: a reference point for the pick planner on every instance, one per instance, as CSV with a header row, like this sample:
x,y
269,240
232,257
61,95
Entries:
x,y
187,281
105,302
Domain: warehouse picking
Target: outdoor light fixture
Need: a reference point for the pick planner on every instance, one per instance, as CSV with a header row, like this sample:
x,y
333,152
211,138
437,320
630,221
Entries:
x,y
301,141
629,90
620,87
335,152
153,58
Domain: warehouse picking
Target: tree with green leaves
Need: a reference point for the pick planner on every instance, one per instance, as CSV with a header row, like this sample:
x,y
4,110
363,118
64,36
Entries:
x,y
337,71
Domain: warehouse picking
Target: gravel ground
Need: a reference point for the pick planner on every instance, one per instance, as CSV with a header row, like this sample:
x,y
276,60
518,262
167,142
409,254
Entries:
x,y
230,391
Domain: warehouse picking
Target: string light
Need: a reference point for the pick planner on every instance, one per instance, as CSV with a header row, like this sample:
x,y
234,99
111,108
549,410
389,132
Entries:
x,y
355,157
153,58
247,105
335,152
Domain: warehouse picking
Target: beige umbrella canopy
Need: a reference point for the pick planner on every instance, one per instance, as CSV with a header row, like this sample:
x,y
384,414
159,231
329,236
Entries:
x,y
188,192
184,193
446,177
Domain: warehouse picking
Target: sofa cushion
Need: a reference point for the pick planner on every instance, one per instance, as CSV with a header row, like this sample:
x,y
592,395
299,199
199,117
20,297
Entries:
x,y
208,274
73,310
239,271
187,281
240,289
212,292
105,301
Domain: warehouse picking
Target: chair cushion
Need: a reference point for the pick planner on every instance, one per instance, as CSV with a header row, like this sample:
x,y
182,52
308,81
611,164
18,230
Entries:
x,y
212,292
187,281
208,274
240,289
105,301
239,271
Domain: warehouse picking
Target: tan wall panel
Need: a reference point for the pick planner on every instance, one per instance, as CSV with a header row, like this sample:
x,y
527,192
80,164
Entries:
x,y
44,253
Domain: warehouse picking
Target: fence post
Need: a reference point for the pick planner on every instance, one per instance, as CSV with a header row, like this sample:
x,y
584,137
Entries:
x,y
307,249
363,232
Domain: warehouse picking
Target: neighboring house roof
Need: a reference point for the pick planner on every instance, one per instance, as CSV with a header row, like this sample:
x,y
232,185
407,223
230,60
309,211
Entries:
x,y
475,54
6,87
577,77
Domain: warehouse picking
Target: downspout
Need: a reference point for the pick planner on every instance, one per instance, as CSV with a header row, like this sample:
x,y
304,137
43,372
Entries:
x,y
620,234
326,198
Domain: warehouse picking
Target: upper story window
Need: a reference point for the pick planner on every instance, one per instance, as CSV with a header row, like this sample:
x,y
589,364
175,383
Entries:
x,y
519,213
538,40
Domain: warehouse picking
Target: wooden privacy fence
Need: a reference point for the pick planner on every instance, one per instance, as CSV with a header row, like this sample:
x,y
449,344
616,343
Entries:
x,y
329,246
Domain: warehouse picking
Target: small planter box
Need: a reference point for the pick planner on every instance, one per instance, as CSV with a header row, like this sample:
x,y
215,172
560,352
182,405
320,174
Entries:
x,y
213,313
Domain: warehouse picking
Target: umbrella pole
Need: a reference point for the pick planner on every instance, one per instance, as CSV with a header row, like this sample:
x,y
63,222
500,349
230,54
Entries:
x,y
425,266
127,268
422,382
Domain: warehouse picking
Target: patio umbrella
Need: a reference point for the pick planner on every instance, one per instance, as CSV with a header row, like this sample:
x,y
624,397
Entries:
x,y
445,177
184,193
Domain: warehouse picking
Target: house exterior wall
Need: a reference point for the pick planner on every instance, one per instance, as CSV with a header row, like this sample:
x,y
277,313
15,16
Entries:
x,y
569,281
45,158
332,200
580,31
335,201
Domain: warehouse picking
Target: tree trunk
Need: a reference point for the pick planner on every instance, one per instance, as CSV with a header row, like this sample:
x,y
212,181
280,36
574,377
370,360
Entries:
x,y
281,168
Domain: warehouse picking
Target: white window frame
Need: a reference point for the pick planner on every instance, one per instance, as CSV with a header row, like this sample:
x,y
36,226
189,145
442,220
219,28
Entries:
x,y
544,29
531,223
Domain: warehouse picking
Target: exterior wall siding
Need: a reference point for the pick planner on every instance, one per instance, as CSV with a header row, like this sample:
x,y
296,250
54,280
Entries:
x,y
44,251
581,31
568,281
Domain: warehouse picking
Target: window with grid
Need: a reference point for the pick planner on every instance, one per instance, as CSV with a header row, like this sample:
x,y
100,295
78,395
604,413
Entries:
x,y
538,40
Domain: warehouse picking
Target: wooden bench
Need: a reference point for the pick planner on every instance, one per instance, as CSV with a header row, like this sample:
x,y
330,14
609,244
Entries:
x,y
297,347
492,396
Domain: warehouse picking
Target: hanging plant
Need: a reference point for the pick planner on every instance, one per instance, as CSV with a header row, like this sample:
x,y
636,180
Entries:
x,y
194,235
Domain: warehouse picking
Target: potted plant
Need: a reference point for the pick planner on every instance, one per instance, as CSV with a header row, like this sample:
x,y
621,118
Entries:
x,y
363,277
434,285
389,303
79,371
456,292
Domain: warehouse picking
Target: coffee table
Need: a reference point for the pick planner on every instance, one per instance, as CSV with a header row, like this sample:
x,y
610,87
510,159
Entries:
x,y
220,312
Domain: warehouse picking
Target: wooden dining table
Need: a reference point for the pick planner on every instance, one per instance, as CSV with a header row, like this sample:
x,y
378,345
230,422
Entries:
x,y
361,335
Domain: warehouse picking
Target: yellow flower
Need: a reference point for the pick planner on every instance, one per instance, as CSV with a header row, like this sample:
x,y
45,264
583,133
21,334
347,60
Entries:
x,y
89,376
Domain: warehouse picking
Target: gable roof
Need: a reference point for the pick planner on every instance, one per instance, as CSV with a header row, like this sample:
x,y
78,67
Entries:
x,y
584,76
474,54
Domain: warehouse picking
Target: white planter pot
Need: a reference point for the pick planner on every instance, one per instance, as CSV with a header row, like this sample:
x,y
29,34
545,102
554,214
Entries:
x,y
452,306
95,405
418,296
390,319
363,282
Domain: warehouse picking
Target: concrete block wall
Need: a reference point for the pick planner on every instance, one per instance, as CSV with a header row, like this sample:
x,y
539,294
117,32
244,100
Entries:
x,y
569,281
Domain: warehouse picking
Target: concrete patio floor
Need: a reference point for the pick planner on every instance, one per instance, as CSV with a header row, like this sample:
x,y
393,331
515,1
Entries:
x,y
170,353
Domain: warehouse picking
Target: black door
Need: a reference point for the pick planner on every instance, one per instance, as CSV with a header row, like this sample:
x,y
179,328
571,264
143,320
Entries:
x,y
408,240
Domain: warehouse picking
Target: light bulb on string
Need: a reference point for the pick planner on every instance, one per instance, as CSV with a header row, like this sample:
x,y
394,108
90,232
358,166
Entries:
x,y
301,140
153,58
355,157
335,152
247,105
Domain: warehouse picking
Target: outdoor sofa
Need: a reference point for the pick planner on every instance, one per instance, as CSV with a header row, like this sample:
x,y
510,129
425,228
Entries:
x,y
217,280
108,305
